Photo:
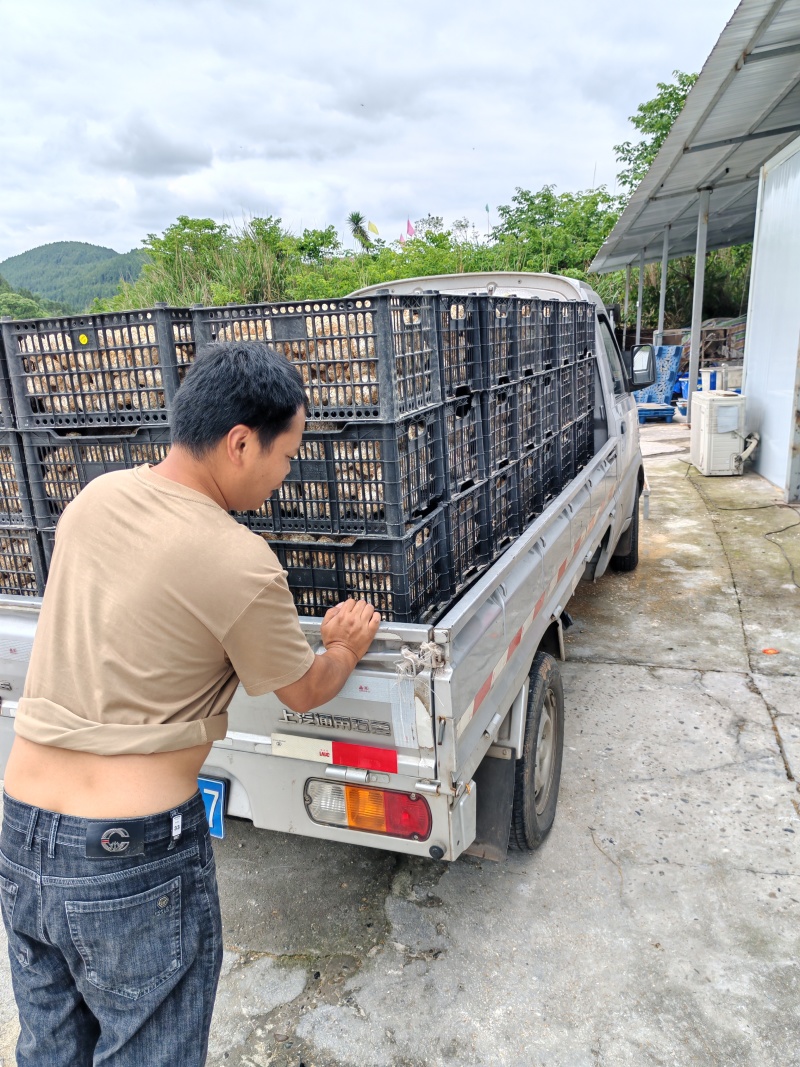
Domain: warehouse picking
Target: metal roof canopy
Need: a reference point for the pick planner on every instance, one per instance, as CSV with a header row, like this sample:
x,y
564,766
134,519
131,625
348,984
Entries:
x,y
744,107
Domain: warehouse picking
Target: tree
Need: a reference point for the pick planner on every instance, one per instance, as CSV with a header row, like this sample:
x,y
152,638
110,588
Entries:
x,y
555,232
357,224
727,270
20,307
315,245
654,119
431,224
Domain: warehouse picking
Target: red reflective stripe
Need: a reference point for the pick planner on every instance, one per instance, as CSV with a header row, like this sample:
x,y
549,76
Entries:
x,y
487,685
484,689
514,643
365,757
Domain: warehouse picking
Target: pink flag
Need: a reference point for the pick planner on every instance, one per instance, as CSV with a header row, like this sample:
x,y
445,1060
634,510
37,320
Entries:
x,y
409,228
402,238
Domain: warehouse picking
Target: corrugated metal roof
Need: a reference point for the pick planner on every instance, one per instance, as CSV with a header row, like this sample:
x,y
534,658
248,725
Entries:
x,y
744,107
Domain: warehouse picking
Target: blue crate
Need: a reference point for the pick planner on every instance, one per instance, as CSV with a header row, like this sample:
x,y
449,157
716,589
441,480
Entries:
x,y
655,413
683,383
668,358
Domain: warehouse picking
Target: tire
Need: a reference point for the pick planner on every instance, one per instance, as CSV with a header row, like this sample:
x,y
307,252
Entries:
x,y
538,770
630,561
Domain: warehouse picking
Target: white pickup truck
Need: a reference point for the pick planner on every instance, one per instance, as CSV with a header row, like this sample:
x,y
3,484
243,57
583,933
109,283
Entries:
x,y
448,736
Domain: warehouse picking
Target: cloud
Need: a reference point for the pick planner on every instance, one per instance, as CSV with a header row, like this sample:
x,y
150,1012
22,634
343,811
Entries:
x,y
225,108
139,147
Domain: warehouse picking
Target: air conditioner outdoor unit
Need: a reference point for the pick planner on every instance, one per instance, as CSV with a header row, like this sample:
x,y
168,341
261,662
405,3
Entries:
x,y
718,442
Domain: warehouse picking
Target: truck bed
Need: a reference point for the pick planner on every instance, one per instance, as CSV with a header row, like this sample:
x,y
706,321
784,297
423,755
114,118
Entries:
x,y
436,695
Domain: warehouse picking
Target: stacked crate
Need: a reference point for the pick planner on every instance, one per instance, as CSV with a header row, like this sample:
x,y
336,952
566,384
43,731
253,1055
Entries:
x,y
546,352
574,367
360,514
538,409
500,323
458,323
439,427
90,394
22,568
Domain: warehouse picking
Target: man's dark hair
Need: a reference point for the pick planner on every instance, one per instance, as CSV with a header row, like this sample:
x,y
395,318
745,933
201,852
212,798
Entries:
x,y
233,383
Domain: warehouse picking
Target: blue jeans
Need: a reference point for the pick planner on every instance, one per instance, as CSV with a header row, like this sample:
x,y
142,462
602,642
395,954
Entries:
x,y
114,960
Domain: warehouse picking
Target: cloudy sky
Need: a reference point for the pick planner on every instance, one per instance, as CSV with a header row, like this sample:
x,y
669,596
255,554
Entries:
x,y
117,118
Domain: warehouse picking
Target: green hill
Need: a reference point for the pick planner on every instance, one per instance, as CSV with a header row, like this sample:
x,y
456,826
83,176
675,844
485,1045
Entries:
x,y
72,273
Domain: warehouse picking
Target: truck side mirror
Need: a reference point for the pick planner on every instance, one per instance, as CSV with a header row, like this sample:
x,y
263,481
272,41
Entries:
x,y
643,366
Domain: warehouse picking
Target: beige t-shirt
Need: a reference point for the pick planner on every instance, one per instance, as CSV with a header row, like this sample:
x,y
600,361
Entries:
x,y
158,603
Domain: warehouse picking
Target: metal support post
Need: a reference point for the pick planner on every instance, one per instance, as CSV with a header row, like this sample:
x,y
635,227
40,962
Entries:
x,y
627,302
662,299
697,298
639,301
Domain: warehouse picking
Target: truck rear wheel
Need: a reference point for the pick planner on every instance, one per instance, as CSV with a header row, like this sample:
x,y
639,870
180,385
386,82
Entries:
x,y
630,560
538,770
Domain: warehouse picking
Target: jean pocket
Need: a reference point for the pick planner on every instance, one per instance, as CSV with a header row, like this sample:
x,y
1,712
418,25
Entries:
x,y
8,899
132,944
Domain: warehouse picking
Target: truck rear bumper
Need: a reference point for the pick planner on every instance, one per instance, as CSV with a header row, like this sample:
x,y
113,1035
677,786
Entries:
x,y
269,791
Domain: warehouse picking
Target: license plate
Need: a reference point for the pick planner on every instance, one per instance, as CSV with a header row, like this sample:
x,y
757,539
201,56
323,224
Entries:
x,y
213,792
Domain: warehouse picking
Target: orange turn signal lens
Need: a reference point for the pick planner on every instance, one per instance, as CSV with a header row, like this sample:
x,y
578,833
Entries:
x,y
365,809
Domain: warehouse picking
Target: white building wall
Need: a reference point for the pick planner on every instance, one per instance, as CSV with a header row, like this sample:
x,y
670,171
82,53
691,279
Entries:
x,y
772,348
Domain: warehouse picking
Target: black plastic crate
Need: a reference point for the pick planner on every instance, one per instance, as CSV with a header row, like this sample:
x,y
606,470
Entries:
x,y
22,567
90,370
549,472
504,508
498,335
529,412
565,441
584,441
468,536
405,578
366,357
180,325
550,311
7,420
529,335
501,425
584,386
575,325
15,500
538,409
584,329
362,478
459,329
548,405
538,481
465,460
565,348
59,467
566,394
531,488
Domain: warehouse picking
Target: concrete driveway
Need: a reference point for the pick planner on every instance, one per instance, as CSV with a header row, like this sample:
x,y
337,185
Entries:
x,y
660,922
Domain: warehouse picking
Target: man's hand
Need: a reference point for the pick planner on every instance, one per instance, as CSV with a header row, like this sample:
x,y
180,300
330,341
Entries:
x,y
352,625
347,632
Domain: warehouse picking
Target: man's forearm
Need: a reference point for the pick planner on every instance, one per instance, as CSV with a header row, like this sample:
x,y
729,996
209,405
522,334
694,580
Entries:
x,y
322,681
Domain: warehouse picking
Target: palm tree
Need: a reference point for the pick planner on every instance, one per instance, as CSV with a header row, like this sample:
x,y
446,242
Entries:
x,y
358,228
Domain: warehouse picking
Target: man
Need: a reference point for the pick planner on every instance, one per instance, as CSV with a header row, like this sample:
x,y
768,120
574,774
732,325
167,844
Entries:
x,y
158,604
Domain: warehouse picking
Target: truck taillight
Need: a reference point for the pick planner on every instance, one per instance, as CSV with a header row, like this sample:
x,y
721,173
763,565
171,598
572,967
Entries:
x,y
378,811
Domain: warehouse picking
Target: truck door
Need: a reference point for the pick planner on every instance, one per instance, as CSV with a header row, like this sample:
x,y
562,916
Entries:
x,y
622,418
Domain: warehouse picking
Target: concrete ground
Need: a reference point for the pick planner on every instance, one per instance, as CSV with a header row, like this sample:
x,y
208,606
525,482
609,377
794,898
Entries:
x,y
660,922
